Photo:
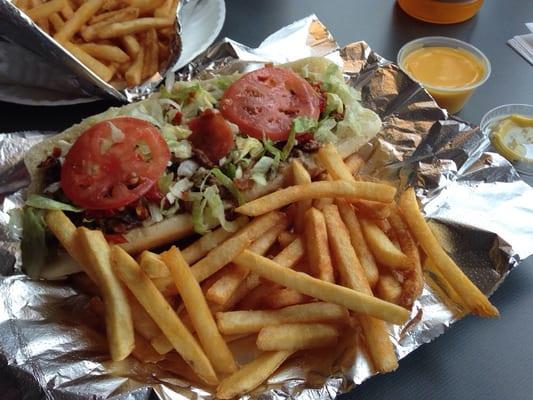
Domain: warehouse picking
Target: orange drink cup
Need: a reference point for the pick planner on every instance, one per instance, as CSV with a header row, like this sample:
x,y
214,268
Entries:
x,y
449,69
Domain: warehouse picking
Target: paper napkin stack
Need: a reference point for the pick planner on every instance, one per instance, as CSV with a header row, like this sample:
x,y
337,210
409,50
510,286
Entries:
x,y
523,44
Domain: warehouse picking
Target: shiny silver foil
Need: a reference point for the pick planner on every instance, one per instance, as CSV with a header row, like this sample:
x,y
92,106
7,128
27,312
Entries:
x,y
470,194
16,26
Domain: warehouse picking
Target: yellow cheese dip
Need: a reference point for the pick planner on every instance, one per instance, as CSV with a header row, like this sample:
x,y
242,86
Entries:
x,y
450,74
513,137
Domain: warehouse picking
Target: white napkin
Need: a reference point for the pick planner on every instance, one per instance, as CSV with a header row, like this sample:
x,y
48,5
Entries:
x,y
523,44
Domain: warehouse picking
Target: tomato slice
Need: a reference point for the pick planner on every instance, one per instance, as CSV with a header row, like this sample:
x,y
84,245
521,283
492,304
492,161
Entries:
x,y
113,163
265,102
211,134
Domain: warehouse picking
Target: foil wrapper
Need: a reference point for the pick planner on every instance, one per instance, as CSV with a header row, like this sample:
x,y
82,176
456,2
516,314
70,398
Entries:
x,y
469,193
17,27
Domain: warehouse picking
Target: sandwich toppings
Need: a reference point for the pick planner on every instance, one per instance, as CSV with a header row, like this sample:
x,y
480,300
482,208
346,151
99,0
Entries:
x,y
198,146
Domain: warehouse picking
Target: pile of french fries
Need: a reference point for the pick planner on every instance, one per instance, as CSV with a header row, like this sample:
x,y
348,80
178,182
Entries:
x,y
309,263
124,42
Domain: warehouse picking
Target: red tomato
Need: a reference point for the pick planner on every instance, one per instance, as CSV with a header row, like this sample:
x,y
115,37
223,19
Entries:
x,y
103,171
115,238
211,134
265,102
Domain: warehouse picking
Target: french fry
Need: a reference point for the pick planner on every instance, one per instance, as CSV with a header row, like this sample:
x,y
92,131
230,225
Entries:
x,y
214,345
105,52
316,240
325,291
142,322
90,32
134,72
252,374
353,276
240,322
282,297
144,352
294,337
316,190
473,298
152,265
372,209
328,157
22,4
292,254
222,290
145,5
65,231
67,11
319,204
157,307
119,324
228,250
44,10
382,248
166,9
300,177
388,288
118,29
354,162
413,282
56,21
131,45
285,238
90,62
108,5
358,242
78,19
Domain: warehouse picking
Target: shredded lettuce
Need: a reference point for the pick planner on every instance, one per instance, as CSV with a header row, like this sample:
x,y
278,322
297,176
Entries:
x,y
178,190
247,148
269,147
149,110
260,170
216,208
324,133
299,125
33,244
228,184
45,203
333,103
155,213
208,211
198,207
164,182
175,131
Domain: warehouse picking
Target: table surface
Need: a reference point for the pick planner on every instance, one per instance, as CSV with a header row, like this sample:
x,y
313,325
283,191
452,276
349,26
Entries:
x,y
477,358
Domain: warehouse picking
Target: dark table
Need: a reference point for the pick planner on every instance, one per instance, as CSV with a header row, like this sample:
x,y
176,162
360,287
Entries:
x,y
477,358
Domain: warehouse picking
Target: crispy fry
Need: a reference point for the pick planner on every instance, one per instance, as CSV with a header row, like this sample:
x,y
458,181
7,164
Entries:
x,y
118,29
214,345
80,17
475,300
280,297
151,58
372,209
142,322
316,240
56,21
353,276
152,265
168,8
382,248
144,352
105,52
315,190
252,374
44,10
413,277
331,160
90,62
240,322
300,177
295,337
68,11
285,238
319,204
321,290
157,307
134,72
358,242
388,288
145,5
354,162
90,32
119,324
131,45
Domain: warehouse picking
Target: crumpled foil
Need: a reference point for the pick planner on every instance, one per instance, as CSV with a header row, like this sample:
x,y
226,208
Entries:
x,y
470,194
20,29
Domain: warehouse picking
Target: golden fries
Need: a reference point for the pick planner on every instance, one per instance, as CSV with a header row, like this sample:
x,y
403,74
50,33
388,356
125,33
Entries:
x,y
316,190
216,349
152,265
476,301
316,240
388,288
252,374
44,10
321,290
239,322
293,337
119,324
105,52
300,177
96,66
157,307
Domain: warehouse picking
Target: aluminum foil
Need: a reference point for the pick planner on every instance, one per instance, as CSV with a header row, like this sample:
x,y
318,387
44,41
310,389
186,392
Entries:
x,y
470,194
16,26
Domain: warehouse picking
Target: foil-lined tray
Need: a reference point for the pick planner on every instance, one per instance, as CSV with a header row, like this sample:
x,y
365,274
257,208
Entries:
x,y
470,194
16,26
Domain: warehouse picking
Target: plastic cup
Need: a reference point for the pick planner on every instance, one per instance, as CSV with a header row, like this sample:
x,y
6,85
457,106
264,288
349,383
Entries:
x,y
451,98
